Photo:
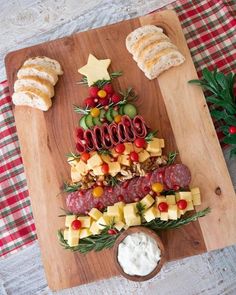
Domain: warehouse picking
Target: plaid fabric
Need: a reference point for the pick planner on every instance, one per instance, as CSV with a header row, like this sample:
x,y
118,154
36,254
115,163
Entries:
x,y
209,30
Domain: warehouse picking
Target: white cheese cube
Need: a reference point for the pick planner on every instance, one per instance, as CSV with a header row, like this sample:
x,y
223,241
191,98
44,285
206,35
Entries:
x,y
150,214
72,161
170,199
196,199
154,145
124,160
103,221
119,225
82,167
114,168
120,205
75,174
189,206
137,150
164,216
113,211
185,196
160,199
106,158
195,191
84,233
157,154
147,201
95,230
97,170
95,213
130,210
133,220
172,212
73,237
143,156
85,221
94,161
66,234
162,142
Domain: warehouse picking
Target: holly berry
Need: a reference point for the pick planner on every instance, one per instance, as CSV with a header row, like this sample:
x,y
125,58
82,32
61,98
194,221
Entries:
x,y
120,198
232,129
93,91
111,231
108,88
105,168
140,142
102,93
120,148
117,118
76,224
89,102
157,187
115,98
104,101
182,204
98,192
163,207
95,112
85,156
134,157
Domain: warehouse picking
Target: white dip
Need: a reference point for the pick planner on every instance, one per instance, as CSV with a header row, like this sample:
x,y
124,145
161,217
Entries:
x,y
138,254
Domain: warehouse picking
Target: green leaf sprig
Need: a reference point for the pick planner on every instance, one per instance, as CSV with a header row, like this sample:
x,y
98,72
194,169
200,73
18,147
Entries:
x,y
101,83
71,187
171,157
150,135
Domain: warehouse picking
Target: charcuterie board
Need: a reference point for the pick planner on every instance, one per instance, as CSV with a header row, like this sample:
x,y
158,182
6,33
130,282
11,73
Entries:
x,y
178,110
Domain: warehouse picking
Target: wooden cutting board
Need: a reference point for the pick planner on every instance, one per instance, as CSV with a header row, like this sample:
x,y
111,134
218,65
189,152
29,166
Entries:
x,y
178,110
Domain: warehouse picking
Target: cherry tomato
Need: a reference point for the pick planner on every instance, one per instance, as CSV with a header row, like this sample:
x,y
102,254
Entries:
x,y
95,112
105,168
182,204
157,187
119,148
112,231
104,101
163,207
120,198
85,156
76,224
117,118
134,157
108,88
98,192
102,93
232,129
89,102
140,142
93,91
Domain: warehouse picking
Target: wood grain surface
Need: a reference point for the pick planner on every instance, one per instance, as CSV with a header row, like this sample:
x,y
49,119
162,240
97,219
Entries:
x,y
178,110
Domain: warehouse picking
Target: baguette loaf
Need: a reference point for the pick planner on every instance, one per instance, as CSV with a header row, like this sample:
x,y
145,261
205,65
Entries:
x,y
46,62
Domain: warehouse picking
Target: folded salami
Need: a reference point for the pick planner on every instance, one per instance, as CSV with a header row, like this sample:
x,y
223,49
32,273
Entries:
x,y
113,133
139,126
97,137
128,128
89,140
106,138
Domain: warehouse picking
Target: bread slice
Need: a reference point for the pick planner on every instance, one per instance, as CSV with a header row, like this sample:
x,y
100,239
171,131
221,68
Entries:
x,y
134,36
47,62
32,97
36,82
38,71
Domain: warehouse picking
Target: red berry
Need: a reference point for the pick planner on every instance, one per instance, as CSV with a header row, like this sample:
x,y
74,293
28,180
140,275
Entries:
x,y
163,207
89,102
182,204
93,91
176,187
105,168
85,156
140,142
232,129
134,157
76,224
104,101
120,198
108,88
111,231
96,100
119,148
115,98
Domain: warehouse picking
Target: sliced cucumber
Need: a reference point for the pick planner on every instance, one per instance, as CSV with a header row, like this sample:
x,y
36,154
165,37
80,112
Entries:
x,y
121,110
114,113
96,121
102,114
82,123
130,110
89,121
109,116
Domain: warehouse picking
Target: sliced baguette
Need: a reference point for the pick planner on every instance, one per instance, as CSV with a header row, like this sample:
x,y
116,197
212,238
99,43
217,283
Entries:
x,y
134,36
38,71
32,97
47,62
36,82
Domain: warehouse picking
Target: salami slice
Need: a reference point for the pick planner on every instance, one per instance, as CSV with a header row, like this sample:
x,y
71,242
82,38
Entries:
x,y
128,128
106,140
121,132
80,147
88,137
97,137
114,133
139,127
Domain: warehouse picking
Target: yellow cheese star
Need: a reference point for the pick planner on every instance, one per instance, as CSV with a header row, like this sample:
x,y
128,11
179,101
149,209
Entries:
x,y
95,69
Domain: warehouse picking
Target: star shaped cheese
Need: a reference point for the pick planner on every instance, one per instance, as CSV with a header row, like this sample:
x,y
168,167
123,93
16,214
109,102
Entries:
x,y
95,69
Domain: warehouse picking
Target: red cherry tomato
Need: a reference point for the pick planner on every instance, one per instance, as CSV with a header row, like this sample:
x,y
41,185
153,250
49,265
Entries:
x,y
108,88
105,168
93,91
182,204
104,101
232,129
76,224
85,156
120,198
119,148
111,231
140,142
163,207
134,157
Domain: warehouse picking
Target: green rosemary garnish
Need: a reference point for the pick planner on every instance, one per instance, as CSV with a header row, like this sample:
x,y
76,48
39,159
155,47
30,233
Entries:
x,y
71,187
104,152
128,95
72,156
101,83
141,208
150,135
112,181
79,110
171,157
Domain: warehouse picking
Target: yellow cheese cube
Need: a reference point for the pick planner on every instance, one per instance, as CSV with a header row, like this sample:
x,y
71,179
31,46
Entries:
x,y
72,161
124,160
73,233
69,219
185,196
128,148
157,154
136,149
94,161
95,230
147,201
118,218
196,199
154,145
189,206
160,199
95,213
150,214
75,174
134,220
85,221
177,196
73,242
162,142
106,158
104,221
119,225
66,234
82,167
120,205
158,213
113,211
114,168
164,216
172,212
143,156
130,210
170,199
98,170
195,191
114,153
84,233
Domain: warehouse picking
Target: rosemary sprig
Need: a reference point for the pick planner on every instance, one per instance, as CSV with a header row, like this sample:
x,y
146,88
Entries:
x,y
71,187
150,135
72,156
101,83
171,157
79,110
104,152
141,208
128,95
112,180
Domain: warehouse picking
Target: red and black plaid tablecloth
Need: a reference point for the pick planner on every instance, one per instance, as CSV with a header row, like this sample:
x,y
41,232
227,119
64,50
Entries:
x,y
209,28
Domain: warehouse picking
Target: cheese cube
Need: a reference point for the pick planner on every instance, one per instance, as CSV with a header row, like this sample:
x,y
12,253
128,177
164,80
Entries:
x,y
69,219
95,213
195,191
124,160
118,218
185,196
147,201
95,230
189,206
177,196
162,142
133,220
94,161
75,174
114,153
160,199
136,149
178,213
172,212
82,167
84,233
150,214
164,216
114,168
106,158
85,221
119,225
130,210
120,205
98,170
103,221
154,145
157,154
196,199
143,156
128,148
113,211
158,213
66,234
182,212
73,237
170,199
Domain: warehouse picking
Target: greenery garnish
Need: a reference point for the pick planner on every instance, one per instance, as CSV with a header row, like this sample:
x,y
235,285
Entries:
x,y
141,208
79,110
73,156
171,157
112,180
221,88
71,187
128,95
104,152
101,83
150,135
